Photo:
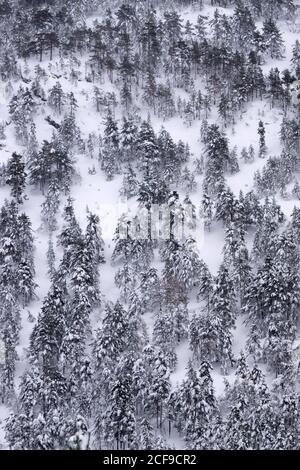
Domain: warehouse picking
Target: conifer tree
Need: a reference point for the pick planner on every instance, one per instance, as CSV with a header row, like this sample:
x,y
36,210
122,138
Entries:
x,y
16,176
262,141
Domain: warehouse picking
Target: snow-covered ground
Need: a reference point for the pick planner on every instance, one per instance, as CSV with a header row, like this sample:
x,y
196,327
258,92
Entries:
x,y
102,196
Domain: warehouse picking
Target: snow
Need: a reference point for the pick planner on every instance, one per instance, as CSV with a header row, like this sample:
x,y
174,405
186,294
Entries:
x,y
102,197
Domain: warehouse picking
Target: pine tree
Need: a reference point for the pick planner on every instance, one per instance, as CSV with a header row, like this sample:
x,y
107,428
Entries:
x,y
51,205
150,290
16,176
287,424
148,439
132,245
150,88
159,385
295,61
111,132
32,147
137,330
262,141
233,164
111,338
21,109
72,350
217,156
271,302
109,162
119,418
170,159
183,263
56,98
272,39
26,284
197,403
48,333
128,138
130,184
226,206
72,102
84,273
207,211
22,430
125,280
71,233
25,241
51,259
275,88
93,239
53,162
180,318
164,336
10,326
148,151
223,308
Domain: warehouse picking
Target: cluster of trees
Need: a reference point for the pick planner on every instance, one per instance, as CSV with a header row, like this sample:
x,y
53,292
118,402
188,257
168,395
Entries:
x,y
17,287
63,400
133,45
279,172
109,386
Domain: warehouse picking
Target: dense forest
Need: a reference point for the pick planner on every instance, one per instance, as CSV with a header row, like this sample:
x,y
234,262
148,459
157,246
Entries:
x,y
149,224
